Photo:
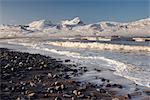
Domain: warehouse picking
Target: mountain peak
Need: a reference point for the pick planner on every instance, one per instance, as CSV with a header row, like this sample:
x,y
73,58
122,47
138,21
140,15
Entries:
x,y
74,21
40,24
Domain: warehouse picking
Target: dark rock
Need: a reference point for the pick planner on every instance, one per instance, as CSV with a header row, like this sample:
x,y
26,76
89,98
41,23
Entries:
x,y
103,79
66,95
50,90
58,98
67,60
20,98
67,77
108,85
129,96
102,91
93,98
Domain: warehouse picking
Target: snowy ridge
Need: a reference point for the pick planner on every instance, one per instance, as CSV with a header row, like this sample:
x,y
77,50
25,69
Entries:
x,y
75,26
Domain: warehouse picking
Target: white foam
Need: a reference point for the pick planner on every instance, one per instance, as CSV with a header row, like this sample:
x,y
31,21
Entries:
x,y
101,46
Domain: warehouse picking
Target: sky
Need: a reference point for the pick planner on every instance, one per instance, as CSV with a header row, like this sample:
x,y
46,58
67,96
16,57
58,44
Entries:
x,y
90,11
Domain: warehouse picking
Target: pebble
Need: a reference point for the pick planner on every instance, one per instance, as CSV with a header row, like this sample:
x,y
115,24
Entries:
x,y
93,98
67,95
147,92
31,94
67,60
55,76
62,86
58,98
81,96
50,89
75,92
58,89
102,91
20,98
29,68
57,83
32,84
108,85
103,79
49,75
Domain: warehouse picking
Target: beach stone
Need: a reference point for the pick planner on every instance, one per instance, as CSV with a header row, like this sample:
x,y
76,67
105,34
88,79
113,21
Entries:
x,y
93,98
62,86
10,81
66,95
45,65
81,96
129,96
55,76
119,98
32,84
58,98
73,98
57,83
134,94
147,92
67,77
67,60
75,92
98,70
103,79
102,91
82,88
97,89
108,85
29,68
58,89
31,94
20,98
6,89
50,89
12,69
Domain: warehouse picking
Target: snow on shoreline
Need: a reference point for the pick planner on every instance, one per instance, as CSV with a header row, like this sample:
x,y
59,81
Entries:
x,y
101,46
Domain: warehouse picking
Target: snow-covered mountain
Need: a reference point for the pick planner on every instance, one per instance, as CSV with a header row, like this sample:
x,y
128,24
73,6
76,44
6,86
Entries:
x,y
69,24
13,30
105,27
40,24
75,26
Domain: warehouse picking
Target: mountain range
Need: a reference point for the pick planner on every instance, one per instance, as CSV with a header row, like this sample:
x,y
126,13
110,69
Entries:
x,y
75,26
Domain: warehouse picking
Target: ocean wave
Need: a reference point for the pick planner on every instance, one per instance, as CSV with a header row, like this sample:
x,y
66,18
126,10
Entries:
x,y
101,46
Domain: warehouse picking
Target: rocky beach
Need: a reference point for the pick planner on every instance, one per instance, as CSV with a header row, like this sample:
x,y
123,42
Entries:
x,y
27,76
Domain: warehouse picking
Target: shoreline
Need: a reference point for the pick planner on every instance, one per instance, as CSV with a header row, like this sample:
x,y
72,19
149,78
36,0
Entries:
x,y
35,76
